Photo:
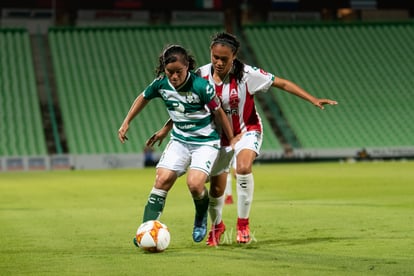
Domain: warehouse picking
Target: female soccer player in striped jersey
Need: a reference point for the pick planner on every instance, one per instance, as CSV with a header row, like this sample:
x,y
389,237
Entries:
x,y
194,145
236,84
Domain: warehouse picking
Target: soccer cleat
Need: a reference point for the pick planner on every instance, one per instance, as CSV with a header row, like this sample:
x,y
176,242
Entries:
x,y
229,199
215,234
243,231
200,228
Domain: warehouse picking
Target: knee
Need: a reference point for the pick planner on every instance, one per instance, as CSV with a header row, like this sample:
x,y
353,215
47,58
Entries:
x,y
195,186
216,191
243,168
164,181
218,185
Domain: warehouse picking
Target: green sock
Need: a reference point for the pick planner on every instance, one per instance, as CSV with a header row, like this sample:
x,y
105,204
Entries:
x,y
201,204
155,205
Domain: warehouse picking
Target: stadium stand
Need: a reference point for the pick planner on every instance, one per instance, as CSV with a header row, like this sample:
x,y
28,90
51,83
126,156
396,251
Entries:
x,y
367,68
99,72
21,129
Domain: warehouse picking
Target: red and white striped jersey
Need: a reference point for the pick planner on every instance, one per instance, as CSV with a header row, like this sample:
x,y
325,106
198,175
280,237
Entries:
x,y
237,98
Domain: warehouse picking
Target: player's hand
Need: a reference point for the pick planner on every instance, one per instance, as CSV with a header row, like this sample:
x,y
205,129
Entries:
x,y
122,133
157,137
321,102
236,139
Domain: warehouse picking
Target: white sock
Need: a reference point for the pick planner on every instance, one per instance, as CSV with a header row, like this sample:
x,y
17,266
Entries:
x,y
215,209
245,189
228,190
159,192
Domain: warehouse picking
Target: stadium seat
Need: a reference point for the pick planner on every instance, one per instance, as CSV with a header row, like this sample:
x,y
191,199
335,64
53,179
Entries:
x,y
20,115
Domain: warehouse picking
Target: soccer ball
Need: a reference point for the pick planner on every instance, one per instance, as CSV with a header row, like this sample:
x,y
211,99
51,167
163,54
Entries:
x,y
153,236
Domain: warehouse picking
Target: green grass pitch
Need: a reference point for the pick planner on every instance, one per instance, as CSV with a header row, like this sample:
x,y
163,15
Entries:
x,y
306,219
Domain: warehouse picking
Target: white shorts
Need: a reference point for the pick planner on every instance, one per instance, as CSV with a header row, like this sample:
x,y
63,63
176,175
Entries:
x,y
178,157
251,140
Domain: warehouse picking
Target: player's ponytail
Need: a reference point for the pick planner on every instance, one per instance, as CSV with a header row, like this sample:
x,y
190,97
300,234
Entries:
x,y
238,69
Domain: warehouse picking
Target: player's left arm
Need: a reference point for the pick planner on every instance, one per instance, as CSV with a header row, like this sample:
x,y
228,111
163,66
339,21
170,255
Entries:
x,y
220,117
295,89
160,135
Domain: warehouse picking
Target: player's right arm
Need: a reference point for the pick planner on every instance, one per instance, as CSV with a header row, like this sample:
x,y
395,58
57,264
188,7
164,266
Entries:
x,y
138,105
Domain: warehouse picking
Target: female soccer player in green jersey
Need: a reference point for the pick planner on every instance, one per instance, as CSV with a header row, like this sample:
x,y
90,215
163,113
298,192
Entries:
x,y
191,102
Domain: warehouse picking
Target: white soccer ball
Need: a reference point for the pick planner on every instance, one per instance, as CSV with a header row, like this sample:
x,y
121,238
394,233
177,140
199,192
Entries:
x,y
153,236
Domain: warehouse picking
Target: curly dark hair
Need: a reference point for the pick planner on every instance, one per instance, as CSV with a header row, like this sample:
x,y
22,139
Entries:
x,y
173,53
231,41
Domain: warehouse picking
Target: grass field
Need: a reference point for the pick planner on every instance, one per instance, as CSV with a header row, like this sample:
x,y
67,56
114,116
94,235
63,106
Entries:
x,y
306,219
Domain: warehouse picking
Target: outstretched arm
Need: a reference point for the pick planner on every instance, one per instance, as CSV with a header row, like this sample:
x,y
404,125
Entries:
x,y
139,104
295,89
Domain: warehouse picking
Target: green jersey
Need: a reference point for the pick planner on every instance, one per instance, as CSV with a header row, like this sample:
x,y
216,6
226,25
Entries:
x,y
190,107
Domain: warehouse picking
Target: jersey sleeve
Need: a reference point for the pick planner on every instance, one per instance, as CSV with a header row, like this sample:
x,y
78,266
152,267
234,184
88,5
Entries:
x,y
257,79
214,104
152,90
204,89
209,96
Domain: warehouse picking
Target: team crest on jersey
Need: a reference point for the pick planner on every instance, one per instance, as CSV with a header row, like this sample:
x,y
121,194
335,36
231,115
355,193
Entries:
x,y
189,97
